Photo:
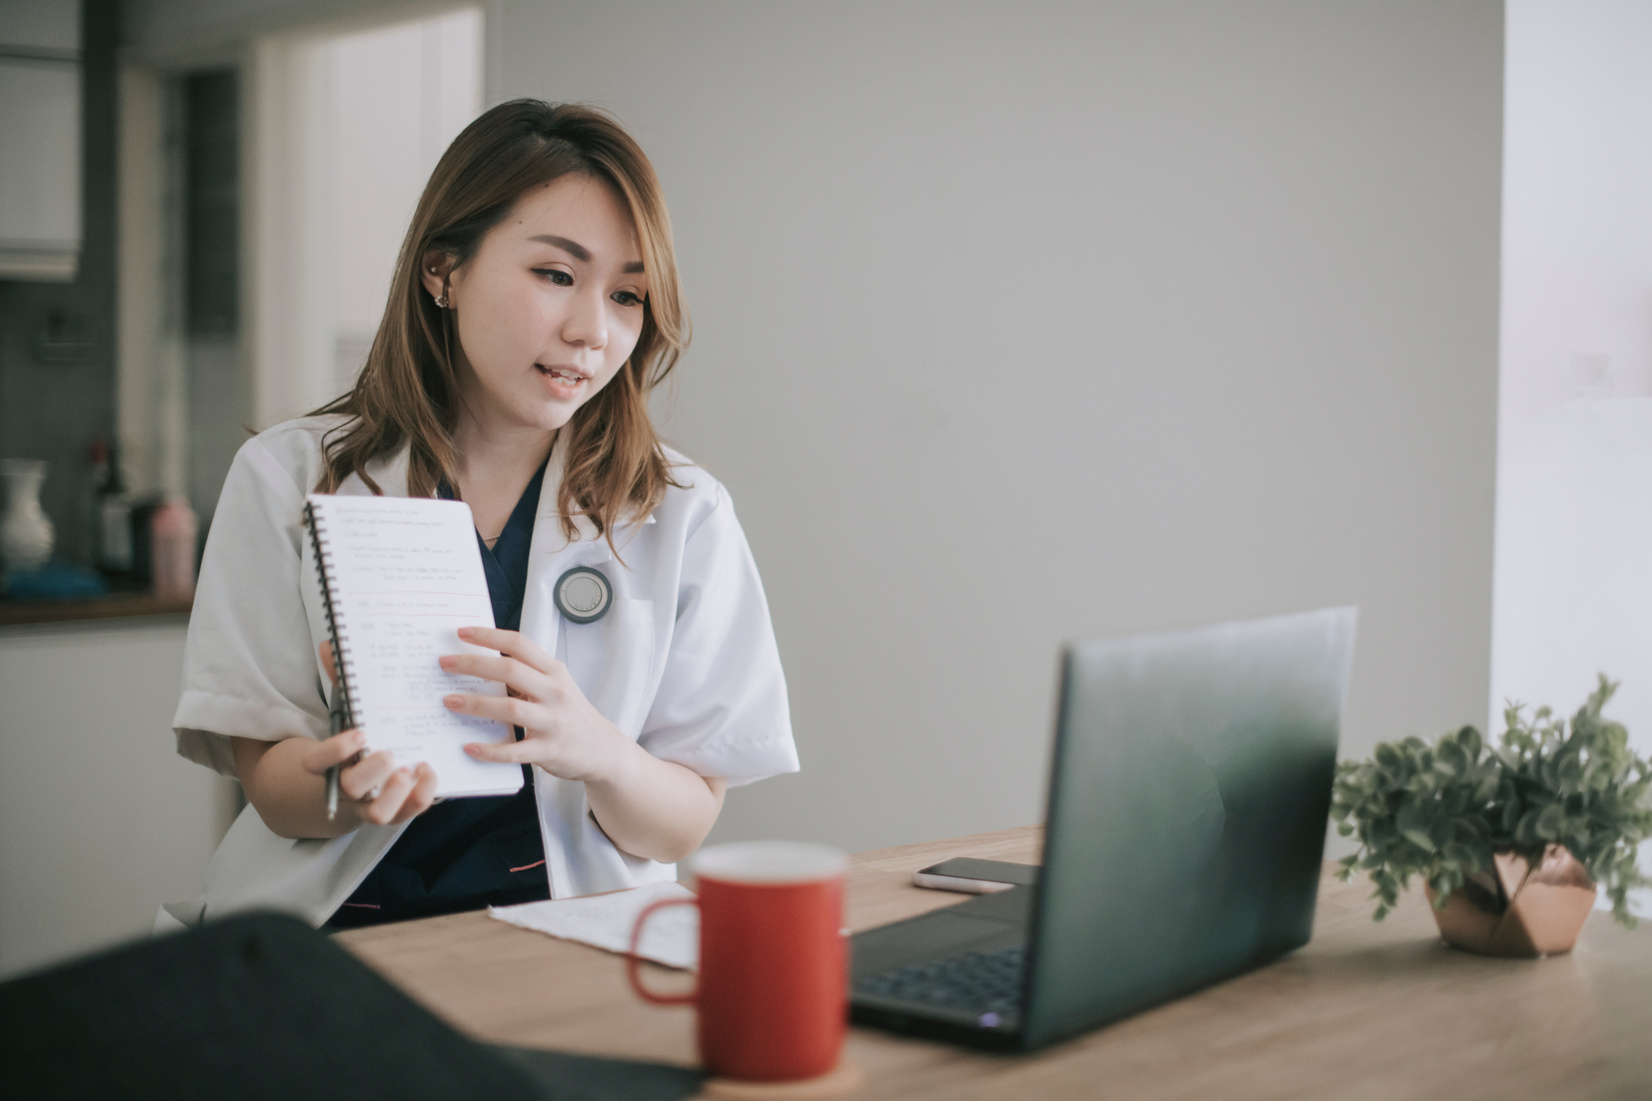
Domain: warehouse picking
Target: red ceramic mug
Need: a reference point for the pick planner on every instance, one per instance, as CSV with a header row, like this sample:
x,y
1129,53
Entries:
x,y
774,964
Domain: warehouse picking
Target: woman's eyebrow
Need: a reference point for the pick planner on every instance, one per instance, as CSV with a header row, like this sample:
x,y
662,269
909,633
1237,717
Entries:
x,y
579,251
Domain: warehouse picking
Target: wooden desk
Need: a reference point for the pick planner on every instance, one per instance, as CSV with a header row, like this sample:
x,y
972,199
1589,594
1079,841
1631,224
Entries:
x,y
1364,1011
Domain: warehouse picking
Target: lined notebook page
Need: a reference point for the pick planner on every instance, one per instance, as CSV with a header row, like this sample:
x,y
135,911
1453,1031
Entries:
x,y
403,575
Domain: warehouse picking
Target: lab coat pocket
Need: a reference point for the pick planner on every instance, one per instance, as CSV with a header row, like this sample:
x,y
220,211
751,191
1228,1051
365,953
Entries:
x,y
612,661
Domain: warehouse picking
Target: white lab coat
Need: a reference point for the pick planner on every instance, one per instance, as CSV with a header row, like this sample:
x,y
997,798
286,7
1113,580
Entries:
x,y
685,662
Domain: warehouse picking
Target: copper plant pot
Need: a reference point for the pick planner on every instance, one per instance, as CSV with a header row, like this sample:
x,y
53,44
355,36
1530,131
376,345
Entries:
x,y
1519,910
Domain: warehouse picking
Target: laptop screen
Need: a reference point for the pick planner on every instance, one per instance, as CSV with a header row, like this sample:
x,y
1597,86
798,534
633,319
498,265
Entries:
x,y
1187,806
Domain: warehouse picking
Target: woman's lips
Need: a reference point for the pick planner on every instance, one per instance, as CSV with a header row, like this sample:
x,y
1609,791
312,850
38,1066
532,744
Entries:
x,y
563,381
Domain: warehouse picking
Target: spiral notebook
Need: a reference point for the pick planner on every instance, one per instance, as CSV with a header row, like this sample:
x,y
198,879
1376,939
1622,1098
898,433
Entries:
x,y
399,577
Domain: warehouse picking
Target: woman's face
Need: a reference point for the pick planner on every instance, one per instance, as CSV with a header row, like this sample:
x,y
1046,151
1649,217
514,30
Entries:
x,y
549,307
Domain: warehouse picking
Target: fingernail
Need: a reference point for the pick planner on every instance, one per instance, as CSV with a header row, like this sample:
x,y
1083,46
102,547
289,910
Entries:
x,y
454,702
466,632
359,738
447,661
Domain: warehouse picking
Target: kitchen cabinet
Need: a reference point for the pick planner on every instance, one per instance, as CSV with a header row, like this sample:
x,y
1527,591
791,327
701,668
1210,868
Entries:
x,y
100,820
40,123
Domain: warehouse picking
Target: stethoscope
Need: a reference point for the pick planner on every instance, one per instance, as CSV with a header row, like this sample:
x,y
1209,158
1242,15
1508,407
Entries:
x,y
583,595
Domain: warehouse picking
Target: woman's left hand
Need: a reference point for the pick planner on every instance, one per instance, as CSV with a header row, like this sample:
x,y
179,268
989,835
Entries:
x,y
562,733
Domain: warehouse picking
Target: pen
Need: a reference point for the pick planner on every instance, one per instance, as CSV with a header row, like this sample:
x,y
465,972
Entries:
x,y
335,723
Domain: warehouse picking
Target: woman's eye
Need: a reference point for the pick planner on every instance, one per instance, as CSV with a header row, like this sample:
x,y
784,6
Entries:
x,y
627,298
556,275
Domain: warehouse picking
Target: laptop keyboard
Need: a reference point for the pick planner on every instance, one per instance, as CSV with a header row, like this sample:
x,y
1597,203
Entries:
x,y
987,984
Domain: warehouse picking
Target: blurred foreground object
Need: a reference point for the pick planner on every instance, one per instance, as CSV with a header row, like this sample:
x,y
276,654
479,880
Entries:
x,y
262,1006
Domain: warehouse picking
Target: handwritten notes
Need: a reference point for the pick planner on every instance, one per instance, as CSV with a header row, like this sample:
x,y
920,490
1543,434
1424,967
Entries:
x,y
404,575
671,937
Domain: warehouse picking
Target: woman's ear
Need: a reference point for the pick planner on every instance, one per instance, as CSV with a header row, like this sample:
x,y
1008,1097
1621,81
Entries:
x,y
434,269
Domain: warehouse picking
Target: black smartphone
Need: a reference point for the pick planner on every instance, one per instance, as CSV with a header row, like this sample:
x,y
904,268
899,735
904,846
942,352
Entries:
x,y
975,877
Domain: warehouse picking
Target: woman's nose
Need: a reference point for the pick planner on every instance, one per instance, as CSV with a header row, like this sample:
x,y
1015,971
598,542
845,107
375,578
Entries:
x,y
587,320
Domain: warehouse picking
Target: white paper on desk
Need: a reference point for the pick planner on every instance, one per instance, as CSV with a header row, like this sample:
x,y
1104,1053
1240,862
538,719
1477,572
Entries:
x,y
672,936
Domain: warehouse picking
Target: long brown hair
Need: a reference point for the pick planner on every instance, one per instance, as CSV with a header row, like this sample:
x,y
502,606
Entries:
x,y
406,392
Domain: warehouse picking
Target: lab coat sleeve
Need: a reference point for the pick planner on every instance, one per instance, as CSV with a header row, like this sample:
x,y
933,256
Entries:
x,y
721,708
250,669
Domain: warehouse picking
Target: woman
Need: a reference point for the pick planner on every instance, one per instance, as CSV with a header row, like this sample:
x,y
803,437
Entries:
x,y
535,305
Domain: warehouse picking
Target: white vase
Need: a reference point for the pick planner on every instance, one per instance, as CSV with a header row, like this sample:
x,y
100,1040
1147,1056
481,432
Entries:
x,y
26,534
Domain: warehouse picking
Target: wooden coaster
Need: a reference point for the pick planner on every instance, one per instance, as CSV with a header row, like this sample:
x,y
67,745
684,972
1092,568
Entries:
x,y
845,1078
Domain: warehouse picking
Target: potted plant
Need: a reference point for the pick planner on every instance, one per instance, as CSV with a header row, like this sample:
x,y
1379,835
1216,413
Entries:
x,y
1510,841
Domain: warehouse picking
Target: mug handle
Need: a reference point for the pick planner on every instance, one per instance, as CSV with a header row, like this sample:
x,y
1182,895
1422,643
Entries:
x,y
632,959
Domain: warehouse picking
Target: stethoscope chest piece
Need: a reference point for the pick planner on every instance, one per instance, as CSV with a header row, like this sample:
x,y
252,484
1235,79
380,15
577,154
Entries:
x,y
583,595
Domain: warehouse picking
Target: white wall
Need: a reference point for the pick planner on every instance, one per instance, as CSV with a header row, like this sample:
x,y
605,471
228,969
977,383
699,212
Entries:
x,y
176,29
100,820
347,128
1020,322
1574,522
401,94
1573,594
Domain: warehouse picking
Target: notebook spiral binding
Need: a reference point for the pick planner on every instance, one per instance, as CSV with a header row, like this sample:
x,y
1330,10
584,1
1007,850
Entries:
x,y
341,655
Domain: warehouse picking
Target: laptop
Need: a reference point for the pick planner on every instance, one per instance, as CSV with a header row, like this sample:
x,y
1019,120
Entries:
x,y
1184,830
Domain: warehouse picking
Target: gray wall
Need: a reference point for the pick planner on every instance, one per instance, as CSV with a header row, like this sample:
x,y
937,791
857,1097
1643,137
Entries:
x,y
1015,323
1022,322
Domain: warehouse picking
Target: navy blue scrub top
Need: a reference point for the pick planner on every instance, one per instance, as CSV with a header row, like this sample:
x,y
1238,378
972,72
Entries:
x,y
464,854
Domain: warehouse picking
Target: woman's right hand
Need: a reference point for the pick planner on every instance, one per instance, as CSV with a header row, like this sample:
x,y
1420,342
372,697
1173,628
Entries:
x,y
382,793
375,790
283,781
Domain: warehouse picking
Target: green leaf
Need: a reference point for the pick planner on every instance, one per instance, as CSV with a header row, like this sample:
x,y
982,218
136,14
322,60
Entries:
x,y
1413,824
1469,738
1549,771
1487,787
1455,802
1449,758
1570,775
1420,839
